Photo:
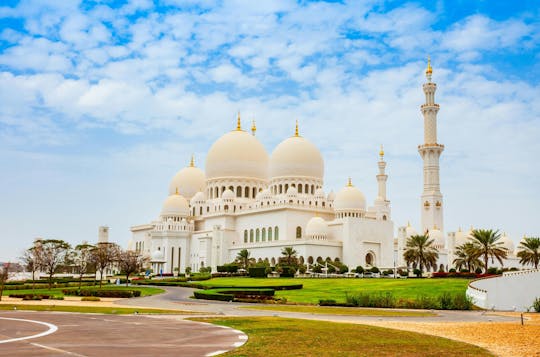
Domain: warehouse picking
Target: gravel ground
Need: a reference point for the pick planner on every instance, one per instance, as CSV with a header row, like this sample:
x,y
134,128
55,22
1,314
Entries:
x,y
501,338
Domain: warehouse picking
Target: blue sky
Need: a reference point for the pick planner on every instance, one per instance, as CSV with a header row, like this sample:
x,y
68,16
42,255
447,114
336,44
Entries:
x,y
101,102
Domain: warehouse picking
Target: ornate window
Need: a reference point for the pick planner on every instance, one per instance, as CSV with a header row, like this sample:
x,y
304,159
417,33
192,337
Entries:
x,y
298,232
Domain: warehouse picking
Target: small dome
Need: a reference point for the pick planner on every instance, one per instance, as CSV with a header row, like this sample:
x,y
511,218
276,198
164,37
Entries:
x,y
188,181
507,243
410,231
292,191
350,198
157,256
228,195
319,193
331,196
175,205
296,157
437,236
317,227
237,154
461,238
198,198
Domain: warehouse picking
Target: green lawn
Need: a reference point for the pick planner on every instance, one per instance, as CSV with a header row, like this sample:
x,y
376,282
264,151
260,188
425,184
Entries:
x,y
315,289
271,336
92,309
352,311
145,291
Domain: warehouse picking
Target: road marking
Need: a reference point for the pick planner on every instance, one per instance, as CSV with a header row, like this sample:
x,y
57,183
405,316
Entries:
x,y
215,353
52,329
56,349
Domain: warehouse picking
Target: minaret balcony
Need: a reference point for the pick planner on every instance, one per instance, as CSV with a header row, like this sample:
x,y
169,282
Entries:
x,y
430,105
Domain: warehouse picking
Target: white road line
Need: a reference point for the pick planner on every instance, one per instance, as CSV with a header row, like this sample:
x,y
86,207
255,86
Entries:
x,y
215,353
52,329
56,349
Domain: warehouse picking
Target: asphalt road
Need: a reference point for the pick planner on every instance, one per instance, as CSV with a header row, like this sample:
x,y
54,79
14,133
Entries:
x,y
111,335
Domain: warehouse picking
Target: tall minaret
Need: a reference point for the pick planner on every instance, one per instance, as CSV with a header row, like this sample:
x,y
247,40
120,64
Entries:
x,y
430,151
382,177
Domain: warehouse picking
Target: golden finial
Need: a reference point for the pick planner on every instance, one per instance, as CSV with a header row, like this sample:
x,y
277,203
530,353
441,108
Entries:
x,y
238,123
381,153
349,183
253,127
408,223
296,129
192,162
176,191
429,70
435,227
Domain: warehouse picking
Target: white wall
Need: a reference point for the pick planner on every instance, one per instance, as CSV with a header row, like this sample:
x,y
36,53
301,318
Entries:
x,y
511,291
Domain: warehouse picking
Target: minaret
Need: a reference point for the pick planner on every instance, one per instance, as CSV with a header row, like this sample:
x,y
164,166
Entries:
x,y
430,151
382,177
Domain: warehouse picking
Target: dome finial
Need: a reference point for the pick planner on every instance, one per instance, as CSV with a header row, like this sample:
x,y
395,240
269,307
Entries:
x,y
349,183
429,70
296,129
238,123
381,153
192,162
176,192
408,223
253,127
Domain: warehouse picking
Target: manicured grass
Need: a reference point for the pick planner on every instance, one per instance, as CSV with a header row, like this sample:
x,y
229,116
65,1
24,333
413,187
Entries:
x,y
92,309
353,311
145,291
270,336
336,289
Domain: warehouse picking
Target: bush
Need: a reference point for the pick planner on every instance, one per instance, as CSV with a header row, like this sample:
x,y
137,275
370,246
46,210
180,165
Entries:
x,y
374,270
302,269
388,272
367,300
492,270
343,269
445,301
478,270
417,272
227,268
90,298
359,269
288,272
110,293
258,272
452,270
245,295
200,277
463,270
327,302
536,305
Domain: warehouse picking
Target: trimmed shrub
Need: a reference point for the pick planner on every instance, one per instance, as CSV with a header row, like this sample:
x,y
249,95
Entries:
x,y
327,302
287,272
257,272
492,270
212,295
343,269
90,298
200,277
536,305
452,270
375,270
110,293
417,272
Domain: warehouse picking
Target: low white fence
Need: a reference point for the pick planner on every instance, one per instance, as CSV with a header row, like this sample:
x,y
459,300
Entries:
x,y
513,291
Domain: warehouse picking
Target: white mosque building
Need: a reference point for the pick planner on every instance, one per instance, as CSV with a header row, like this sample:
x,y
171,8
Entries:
x,y
247,199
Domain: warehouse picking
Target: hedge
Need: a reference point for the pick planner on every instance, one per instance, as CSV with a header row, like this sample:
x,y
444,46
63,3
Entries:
x,y
233,294
103,293
257,272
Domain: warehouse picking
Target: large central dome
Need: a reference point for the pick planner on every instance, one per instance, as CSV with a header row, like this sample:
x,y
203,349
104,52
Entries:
x,y
296,157
237,154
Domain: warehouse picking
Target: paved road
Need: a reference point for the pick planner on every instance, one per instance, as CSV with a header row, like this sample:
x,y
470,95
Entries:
x,y
111,335
179,298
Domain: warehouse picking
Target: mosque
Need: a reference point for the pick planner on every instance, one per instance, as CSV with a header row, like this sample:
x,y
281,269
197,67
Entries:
x,y
247,199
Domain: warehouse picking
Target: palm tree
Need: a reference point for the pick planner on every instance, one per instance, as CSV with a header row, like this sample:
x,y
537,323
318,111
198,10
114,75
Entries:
x,y
243,257
487,245
290,255
419,250
467,255
529,251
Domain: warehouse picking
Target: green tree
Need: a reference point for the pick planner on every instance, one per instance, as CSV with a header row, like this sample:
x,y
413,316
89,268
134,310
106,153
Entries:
x,y
467,256
104,255
244,258
529,251
419,250
487,245
54,254
130,262
289,255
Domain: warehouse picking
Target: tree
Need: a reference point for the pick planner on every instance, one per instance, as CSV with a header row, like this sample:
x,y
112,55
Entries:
x,y
487,245
244,258
289,255
83,260
54,254
4,274
419,250
32,261
467,256
103,256
130,262
529,251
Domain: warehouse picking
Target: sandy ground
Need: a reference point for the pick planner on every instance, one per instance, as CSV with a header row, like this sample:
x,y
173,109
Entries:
x,y
501,338
68,301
